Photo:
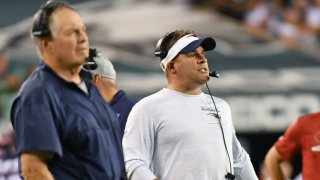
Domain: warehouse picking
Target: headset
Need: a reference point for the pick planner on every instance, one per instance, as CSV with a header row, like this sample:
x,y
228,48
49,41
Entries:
x,y
229,175
40,26
161,51
91,63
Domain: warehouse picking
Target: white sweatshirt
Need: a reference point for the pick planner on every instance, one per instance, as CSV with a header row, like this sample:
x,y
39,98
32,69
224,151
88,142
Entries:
x,y
174,136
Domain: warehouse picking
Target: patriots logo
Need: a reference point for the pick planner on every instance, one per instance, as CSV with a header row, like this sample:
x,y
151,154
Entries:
x,y
214,115
211,112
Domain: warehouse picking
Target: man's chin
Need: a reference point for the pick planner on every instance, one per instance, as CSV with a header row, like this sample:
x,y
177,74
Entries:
x,y
206,78
203,81
83,59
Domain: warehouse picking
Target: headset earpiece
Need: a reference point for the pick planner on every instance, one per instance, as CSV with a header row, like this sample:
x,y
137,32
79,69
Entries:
x,y
40,26
161,50
158,52
41,21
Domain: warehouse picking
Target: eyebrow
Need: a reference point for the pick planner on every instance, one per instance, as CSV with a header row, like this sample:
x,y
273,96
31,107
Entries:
x,y
75,27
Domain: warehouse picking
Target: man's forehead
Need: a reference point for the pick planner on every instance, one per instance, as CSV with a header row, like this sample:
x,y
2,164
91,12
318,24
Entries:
x,y
65,15
67,19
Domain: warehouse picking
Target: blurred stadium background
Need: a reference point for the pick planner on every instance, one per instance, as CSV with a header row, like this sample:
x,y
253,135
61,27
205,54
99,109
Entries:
x,y
266,84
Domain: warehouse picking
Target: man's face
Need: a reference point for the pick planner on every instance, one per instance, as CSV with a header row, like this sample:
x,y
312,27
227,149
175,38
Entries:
x,y
70,45
192,67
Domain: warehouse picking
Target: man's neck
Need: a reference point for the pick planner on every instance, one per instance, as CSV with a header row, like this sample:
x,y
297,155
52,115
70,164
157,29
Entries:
x,y
186,89
108,94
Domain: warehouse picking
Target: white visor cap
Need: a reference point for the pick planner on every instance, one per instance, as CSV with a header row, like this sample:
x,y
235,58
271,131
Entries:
x,y
187,43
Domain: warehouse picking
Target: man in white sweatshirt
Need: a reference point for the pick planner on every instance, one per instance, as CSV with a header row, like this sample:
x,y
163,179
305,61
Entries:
x,y
180,132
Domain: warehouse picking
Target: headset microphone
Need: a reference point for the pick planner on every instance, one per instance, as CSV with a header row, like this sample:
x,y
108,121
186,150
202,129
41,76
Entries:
x,y
91,64
229,175
214,74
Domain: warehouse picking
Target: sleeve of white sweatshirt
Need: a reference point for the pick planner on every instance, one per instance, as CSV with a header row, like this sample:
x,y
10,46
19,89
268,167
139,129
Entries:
x,y
138,143
243,168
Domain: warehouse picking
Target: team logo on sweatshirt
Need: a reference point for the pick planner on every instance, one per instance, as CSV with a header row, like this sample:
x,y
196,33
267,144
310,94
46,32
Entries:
x,y
209,111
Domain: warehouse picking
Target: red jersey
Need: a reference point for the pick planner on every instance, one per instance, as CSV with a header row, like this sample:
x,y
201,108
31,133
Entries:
x,y
303,136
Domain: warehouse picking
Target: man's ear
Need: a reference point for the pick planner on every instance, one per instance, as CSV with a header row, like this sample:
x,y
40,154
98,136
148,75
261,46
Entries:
x,y
96,78
45,44
171,67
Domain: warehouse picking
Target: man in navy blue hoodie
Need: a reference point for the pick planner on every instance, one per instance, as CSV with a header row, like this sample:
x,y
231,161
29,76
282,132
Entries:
x,y
63,127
